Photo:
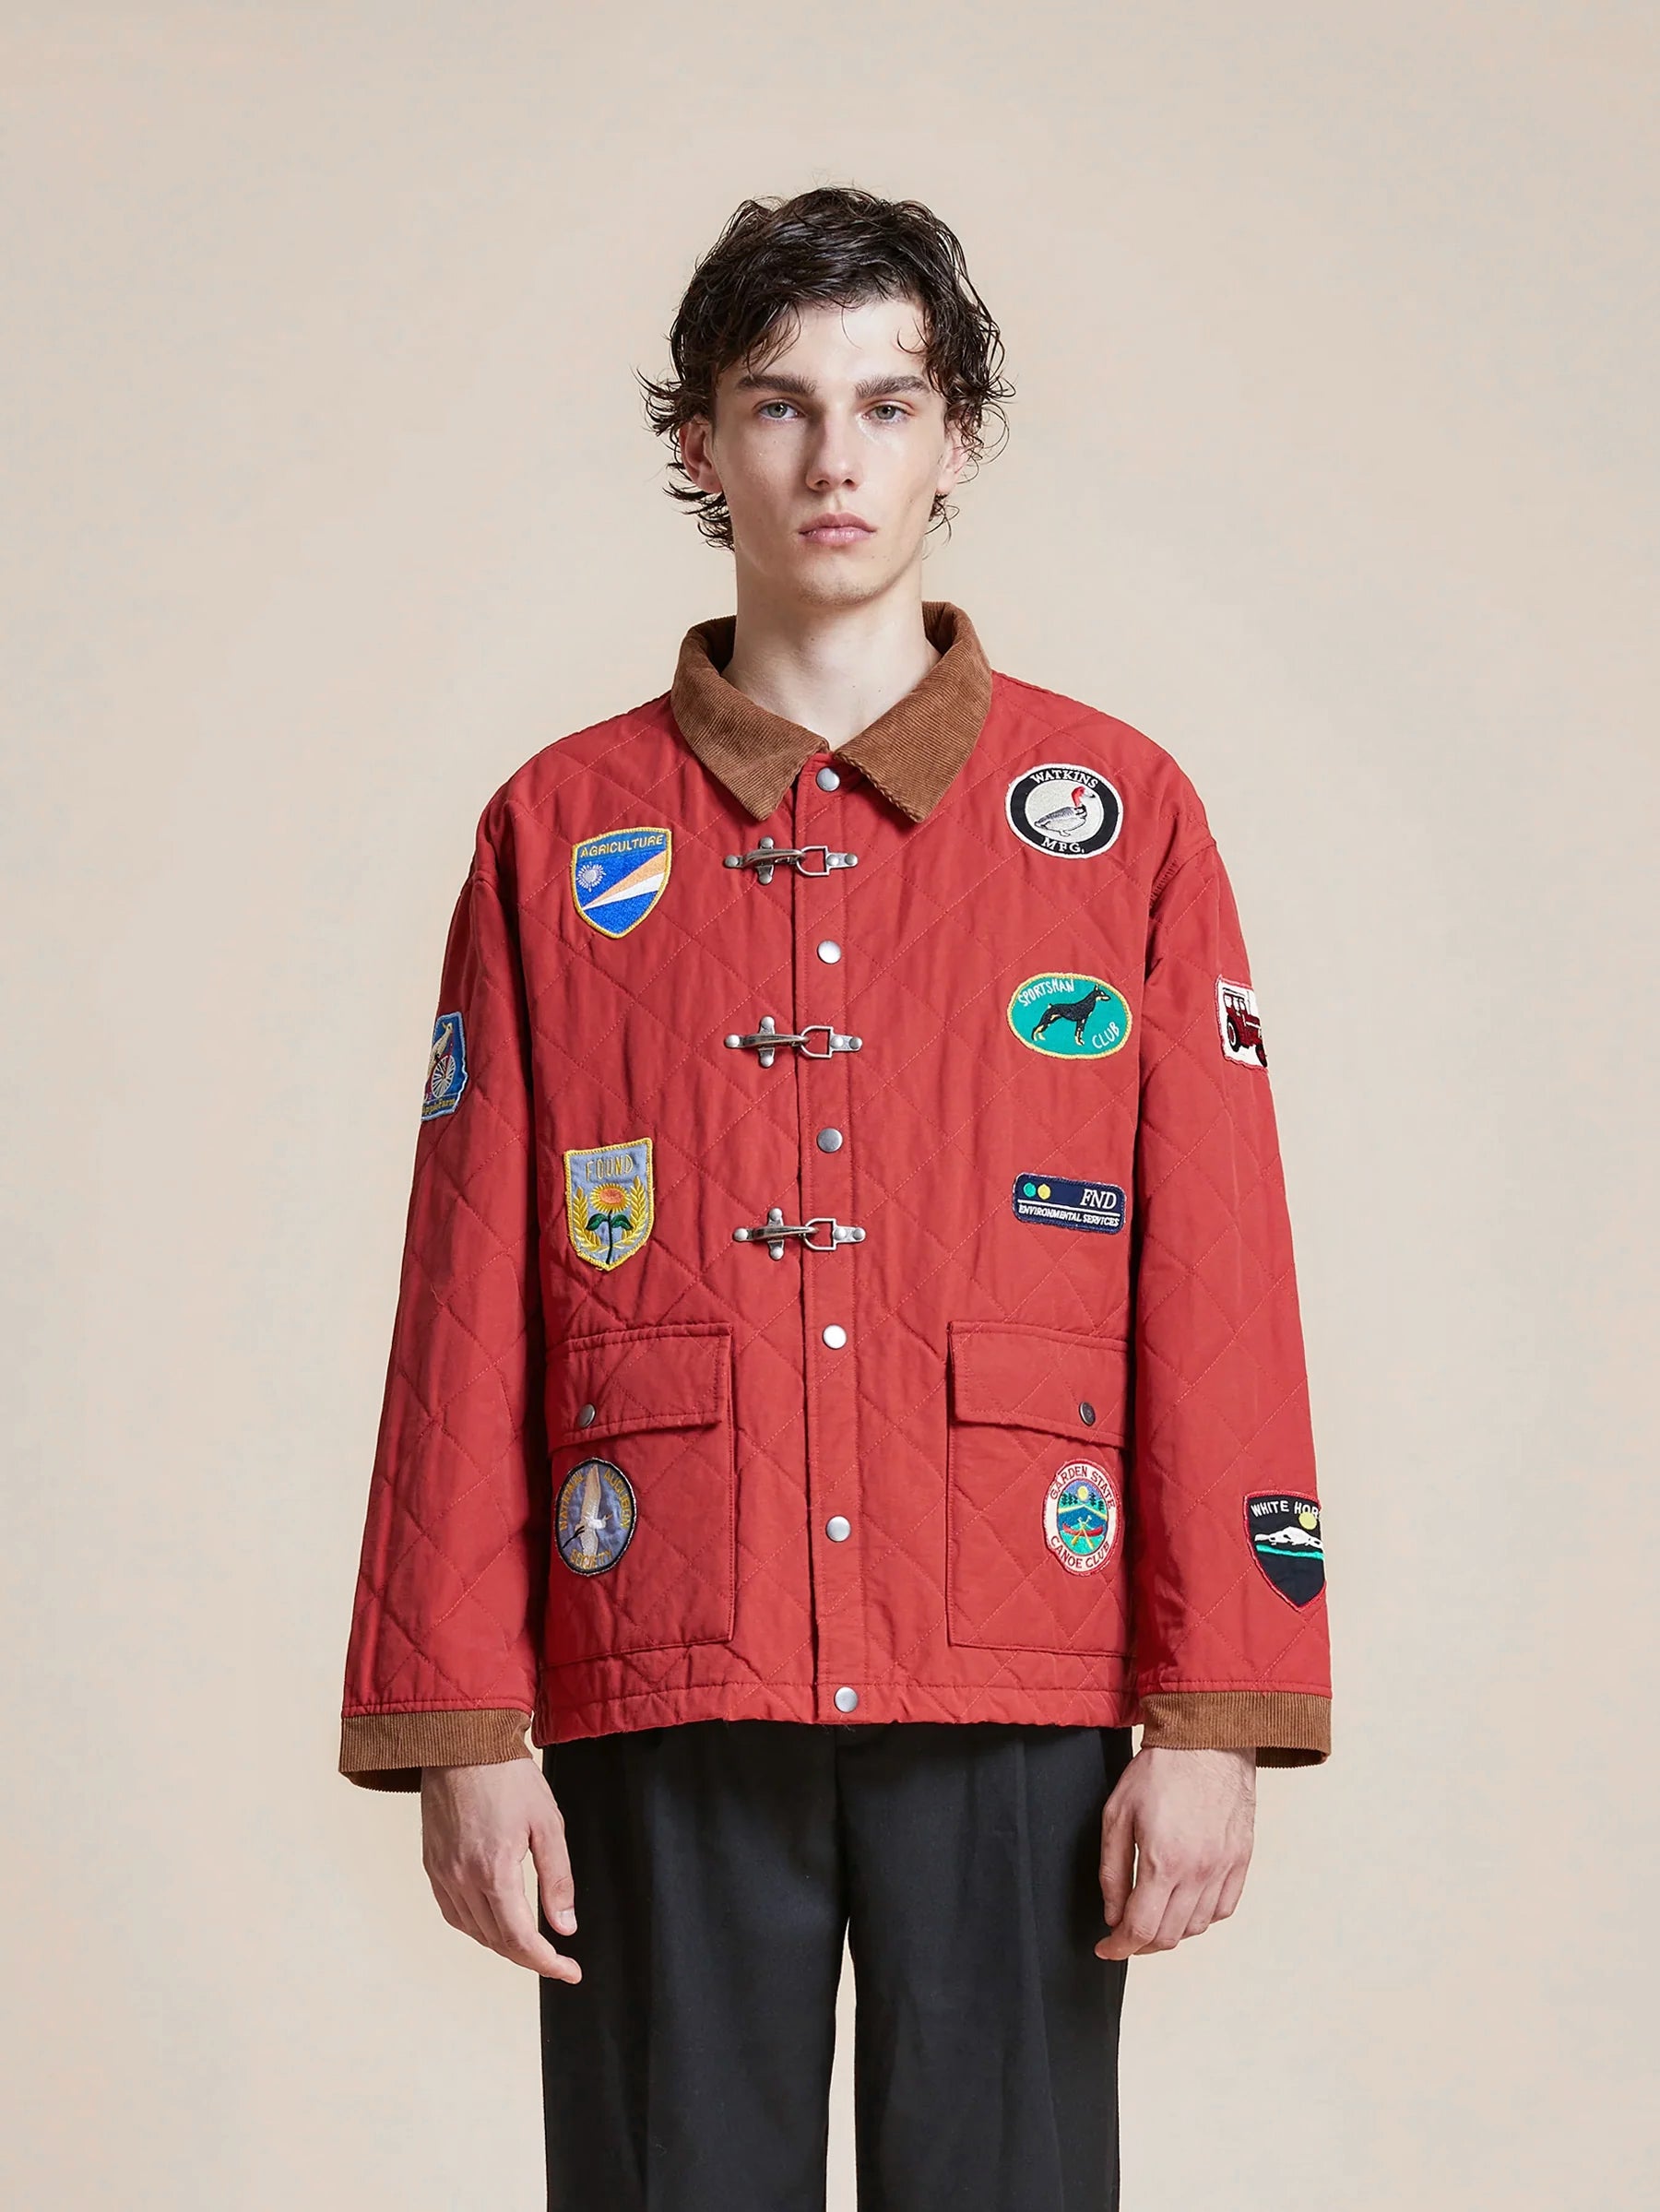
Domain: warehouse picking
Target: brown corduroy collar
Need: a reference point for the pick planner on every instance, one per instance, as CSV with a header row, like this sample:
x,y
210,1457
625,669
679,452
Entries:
x,y
911,753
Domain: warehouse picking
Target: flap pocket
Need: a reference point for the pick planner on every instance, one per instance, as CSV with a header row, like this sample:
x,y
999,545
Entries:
x,y
1025,1376
617,1381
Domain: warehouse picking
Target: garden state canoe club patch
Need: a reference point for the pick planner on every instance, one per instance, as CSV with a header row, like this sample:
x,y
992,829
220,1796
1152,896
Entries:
x,y
1284,1535
609,1200
1065,1203
593,1516
446,1067
1080,1517
618,877
1061,807
1072,1017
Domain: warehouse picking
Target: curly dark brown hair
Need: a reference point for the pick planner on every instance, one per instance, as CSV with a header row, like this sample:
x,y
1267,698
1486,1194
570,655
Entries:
x,y
830,246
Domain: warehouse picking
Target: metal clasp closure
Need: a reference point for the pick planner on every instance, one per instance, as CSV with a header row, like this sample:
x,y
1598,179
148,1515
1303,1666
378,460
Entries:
x,y
767,855
765,1041
775,1229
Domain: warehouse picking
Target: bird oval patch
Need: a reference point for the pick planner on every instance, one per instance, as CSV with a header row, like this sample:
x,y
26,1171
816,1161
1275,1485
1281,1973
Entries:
x,y
594,1517
1061,807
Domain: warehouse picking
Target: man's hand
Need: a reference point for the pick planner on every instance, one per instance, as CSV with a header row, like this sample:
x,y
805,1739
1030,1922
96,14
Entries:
x,y
1186,1819
476,1825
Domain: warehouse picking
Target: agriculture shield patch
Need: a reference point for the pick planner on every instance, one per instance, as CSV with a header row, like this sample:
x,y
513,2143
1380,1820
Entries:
x,y
609,1200
618,878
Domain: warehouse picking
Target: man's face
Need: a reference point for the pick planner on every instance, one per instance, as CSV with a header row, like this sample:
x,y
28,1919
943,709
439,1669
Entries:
x,y
843,421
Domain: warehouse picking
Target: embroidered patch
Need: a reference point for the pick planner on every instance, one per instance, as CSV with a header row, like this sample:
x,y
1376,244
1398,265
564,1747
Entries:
x,y
1061,807
1239,1022
594,1517
1080,1517
609,1200
446,1067
1284,1534
1071,1016
1064,1203
618,877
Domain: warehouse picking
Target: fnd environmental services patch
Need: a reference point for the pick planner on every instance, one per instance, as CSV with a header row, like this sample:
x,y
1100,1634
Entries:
x,y
1065,1203
1284,1534
1080,1517
1061,807
446,1067
593,1516
609,1200
1239,1022
1072,1017
618,877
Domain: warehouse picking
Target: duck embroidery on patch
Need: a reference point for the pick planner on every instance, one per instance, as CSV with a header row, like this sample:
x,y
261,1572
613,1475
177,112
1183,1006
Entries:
x,y
1283,1534
594,1517
1072,1017
610,1203
618,877
1080,1517
446,1067
1241,1024
1061,807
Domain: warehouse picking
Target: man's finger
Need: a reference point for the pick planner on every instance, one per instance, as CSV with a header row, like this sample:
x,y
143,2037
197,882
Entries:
x,y
506,1910
554,1882
1117,1867
1144,1910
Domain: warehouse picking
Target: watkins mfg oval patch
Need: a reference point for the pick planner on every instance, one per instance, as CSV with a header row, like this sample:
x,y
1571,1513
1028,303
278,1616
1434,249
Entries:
x,y
1061,807
1080,1517
1285,1537
594,1517
1065,1203
618,878
1074,1017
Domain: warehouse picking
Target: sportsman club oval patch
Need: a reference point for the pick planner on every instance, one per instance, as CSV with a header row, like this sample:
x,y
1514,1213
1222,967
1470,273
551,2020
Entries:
x,y
1283,1534
1061,807
1080,1517
618,877
446,1067
1071,1016
609,1200
594,1517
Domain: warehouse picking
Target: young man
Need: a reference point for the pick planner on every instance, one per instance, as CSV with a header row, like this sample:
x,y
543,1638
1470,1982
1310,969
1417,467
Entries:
x,y
847,1368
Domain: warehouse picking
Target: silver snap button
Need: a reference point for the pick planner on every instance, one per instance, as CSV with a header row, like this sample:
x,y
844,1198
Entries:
x,y
835,1336
829,1140
829,950
827,780
839,1528
1086,1410
586,1416
846,1699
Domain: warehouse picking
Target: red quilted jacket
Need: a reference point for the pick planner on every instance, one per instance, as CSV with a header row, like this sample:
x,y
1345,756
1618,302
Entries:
x,y
847,1273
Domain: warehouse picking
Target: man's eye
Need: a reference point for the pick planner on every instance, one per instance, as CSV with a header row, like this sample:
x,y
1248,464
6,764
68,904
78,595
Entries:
x,y
894,404
766,403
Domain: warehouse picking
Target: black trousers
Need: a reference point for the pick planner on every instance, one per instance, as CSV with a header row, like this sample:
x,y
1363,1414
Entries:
x,y
718,1865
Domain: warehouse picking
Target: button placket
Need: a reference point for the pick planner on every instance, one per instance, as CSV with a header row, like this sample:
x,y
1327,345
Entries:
x,y
824,811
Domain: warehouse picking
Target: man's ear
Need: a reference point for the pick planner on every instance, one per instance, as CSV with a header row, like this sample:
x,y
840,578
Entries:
x,y
694,436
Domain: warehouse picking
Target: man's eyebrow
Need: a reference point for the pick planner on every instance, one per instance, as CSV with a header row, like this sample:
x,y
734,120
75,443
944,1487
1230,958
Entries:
x,y
804,387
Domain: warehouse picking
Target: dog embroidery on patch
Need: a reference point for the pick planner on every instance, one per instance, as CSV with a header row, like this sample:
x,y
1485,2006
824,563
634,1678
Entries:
x,y
1065,1203
1080,1517
1061,807
1070,1016
618,877
594,1517
1241,1025
446,1067
1283,1534
610,1205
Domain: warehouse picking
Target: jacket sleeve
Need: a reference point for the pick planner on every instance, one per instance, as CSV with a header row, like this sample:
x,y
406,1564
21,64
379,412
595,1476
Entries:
x,y
441,1665
1227,1563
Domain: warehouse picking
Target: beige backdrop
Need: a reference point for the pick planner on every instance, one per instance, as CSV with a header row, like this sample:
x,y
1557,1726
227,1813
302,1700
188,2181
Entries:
x,y
330,501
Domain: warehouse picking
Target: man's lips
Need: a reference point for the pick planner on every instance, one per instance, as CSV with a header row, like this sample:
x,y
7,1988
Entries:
x,y
836,529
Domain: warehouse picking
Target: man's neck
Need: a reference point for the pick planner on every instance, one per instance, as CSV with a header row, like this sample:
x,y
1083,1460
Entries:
x,y
832,669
